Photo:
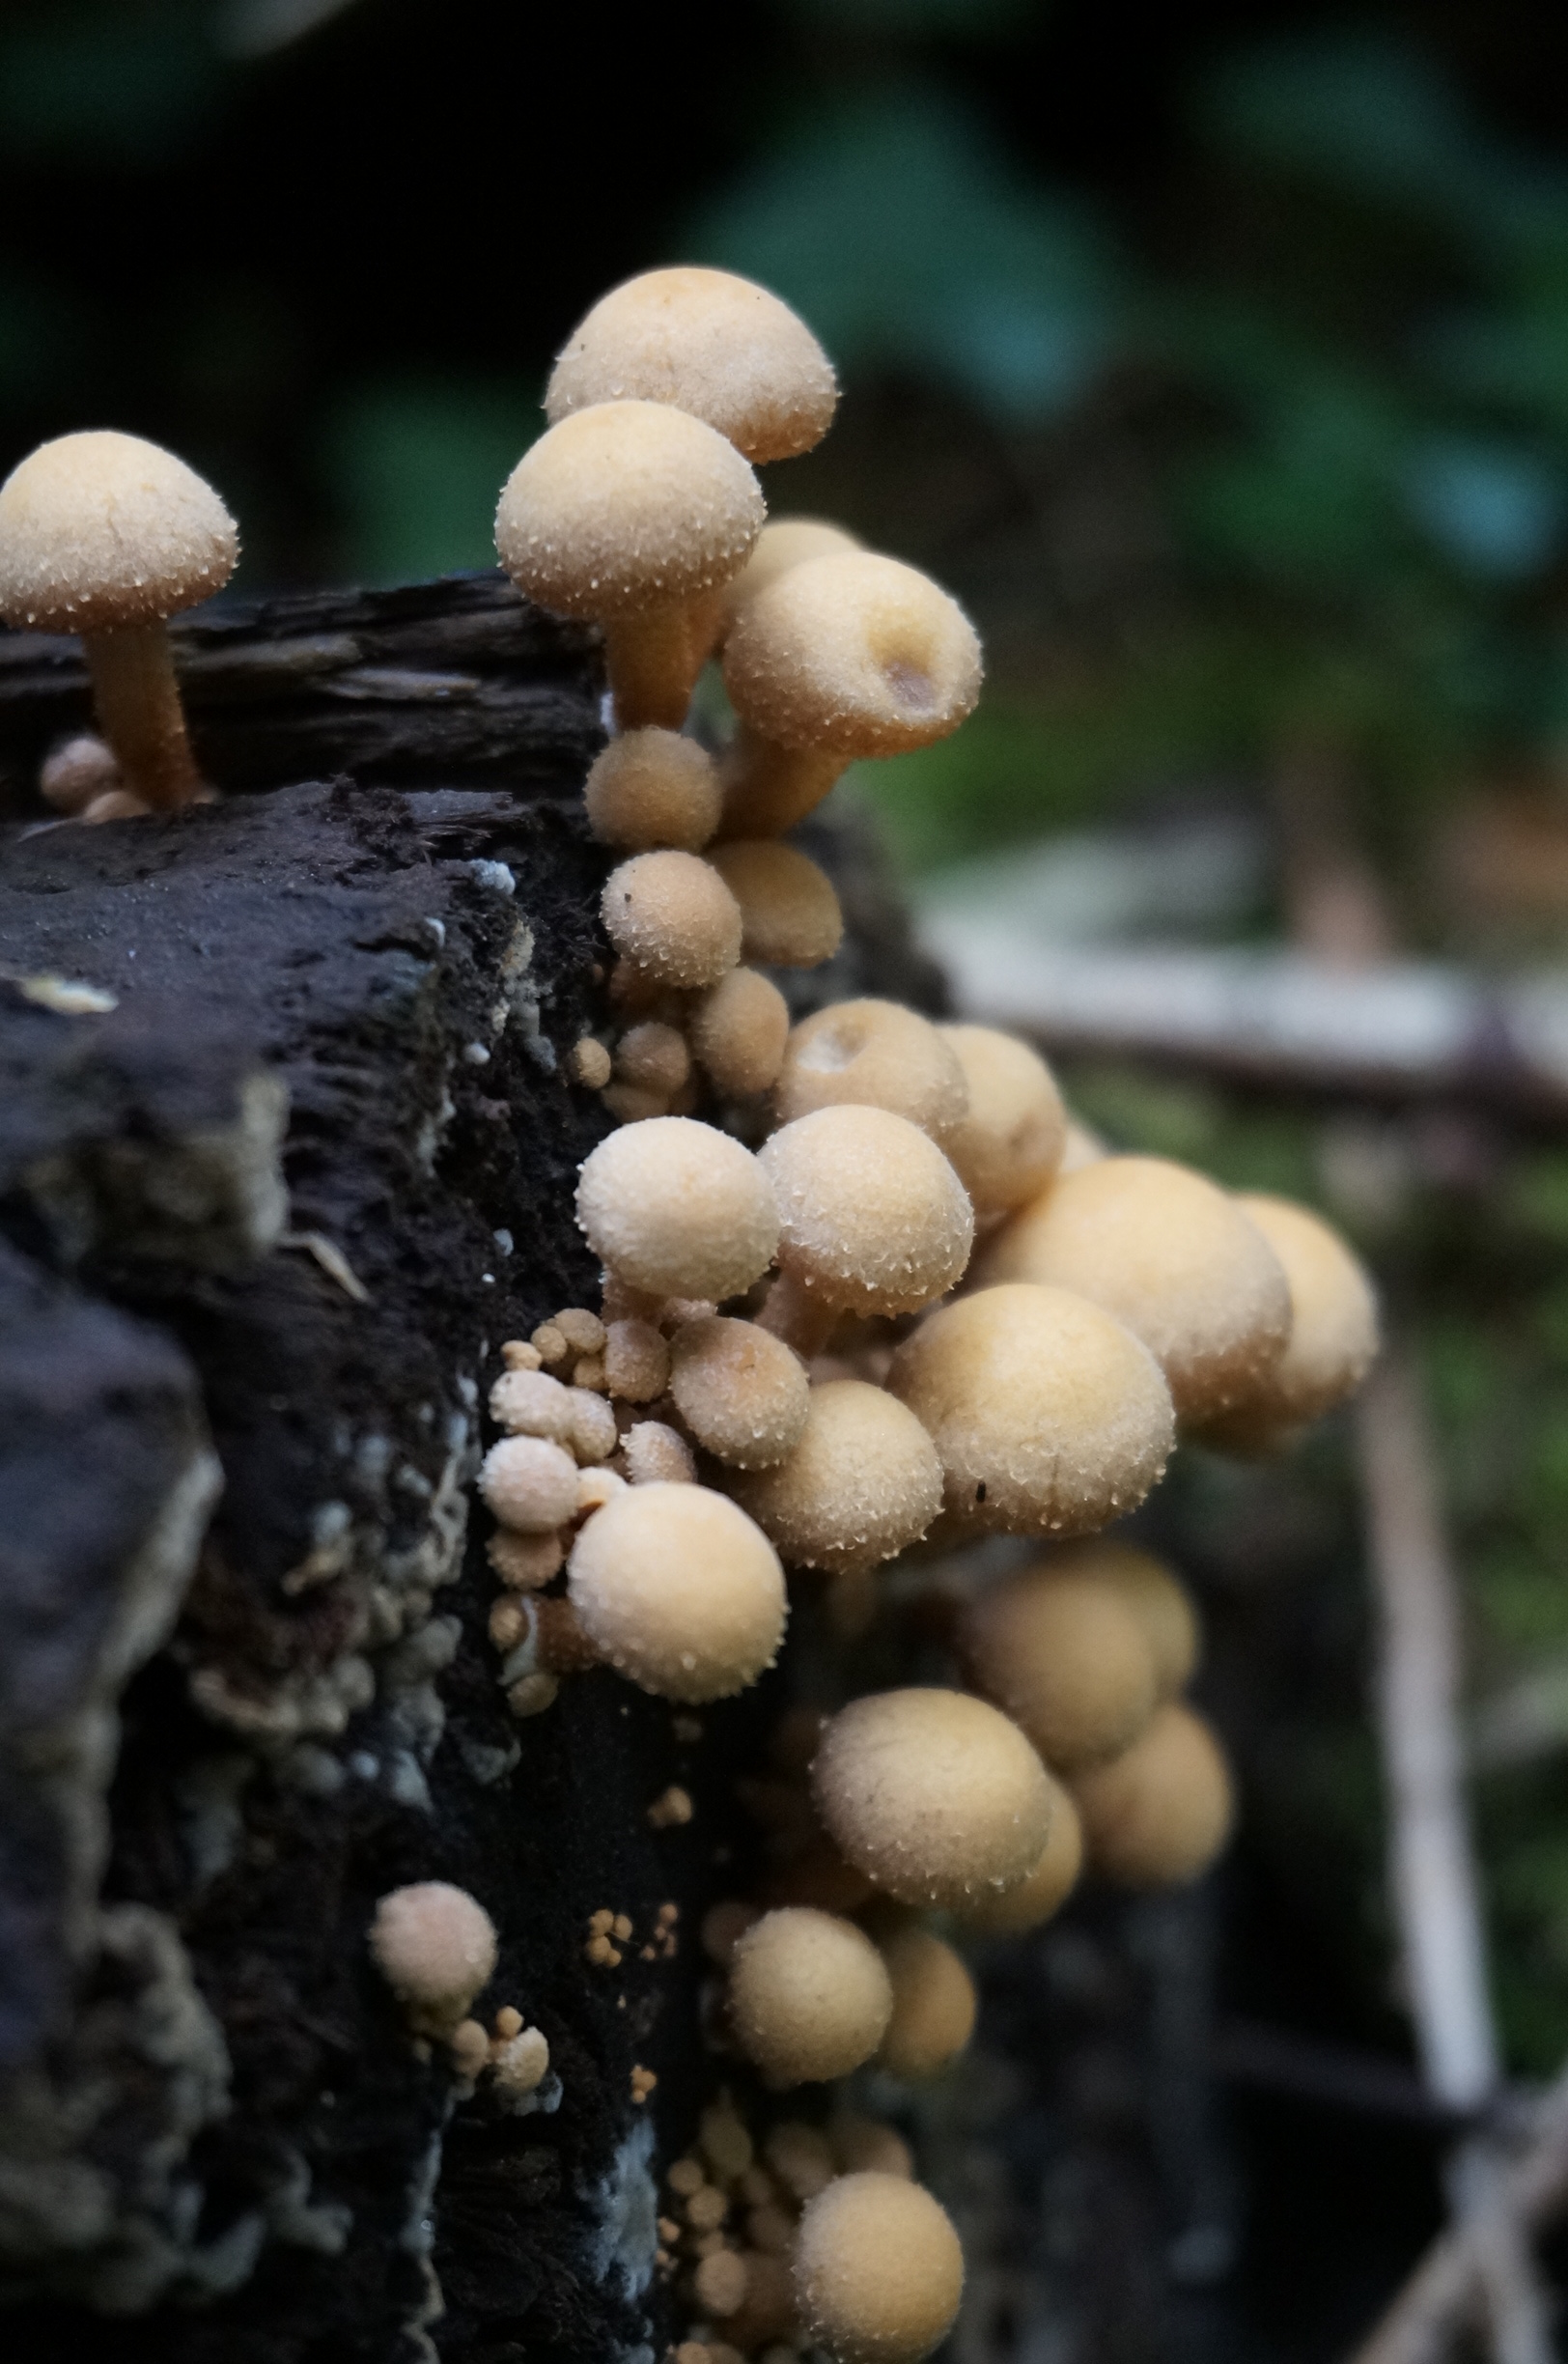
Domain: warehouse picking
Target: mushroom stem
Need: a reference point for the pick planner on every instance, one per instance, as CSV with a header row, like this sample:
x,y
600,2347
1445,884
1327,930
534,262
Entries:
x,y
794,1315
651,666
767,787
137,700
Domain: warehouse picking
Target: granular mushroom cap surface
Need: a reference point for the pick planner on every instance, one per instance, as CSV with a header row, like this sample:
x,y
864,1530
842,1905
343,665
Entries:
x,y
677,1209
809,1995
435,1945
874,1054
1009,1141
878,2271
1066,1656
743,1394
99,530
672,915
790,915
1334,1332
652,788
871,1217
1044,1889
862,1483
679,1590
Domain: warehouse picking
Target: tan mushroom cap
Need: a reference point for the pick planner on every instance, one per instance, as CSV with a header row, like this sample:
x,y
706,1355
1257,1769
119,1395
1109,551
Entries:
x,y
1161,1605
1044,1889
623,507
741,1392
1172,1256
678,1591
738,1031
705,342
435,1945
934,2006
1067,1658
933,1795
785,542
529,1483
873,1054
878,2271
1049,1416
862,1483
871,1217
677,1209
673,918
1161,1812
1333,1334
652,788
790,915
853,655
809,1996
100,531
1008,1145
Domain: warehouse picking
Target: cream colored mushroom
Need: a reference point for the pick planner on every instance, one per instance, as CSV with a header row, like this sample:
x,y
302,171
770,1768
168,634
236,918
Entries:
x,y
1333,1331
743,1394
1009,1142
651,788
678,1591
673,919
862,1483
934,2007
809,1996
1068,1659
1161,1605
790,915
1161,1812
738,1031
653,1057
873,1054
677,1209
1007,1912
878,2271
435,1945
529,1483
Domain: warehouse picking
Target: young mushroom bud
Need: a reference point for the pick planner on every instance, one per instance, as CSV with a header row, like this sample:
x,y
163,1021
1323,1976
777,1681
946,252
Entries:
x,y
743,1394
841,658
107,536
677,1209
76,775
1161,1812
529,1483
809,1996
1009,1142
789,916
1049,1416
1170,1256
934,2007
861,1485
933,1795
878,2271
654,1057
1067,1658
1333,1331
784,541
672,917
1163,1607
1007,1912
435,1945
650,789
626,513
873,1054
678,1591
738,1031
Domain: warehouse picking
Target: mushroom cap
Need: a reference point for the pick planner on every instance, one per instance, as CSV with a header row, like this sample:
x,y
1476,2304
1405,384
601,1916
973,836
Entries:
x,y
529,1483
1173,1257
1050,1417
739,1032
783,543
678,1591
677,1209
871,1217
623,507
809,1996
862,1483
1163,1606
933,1794
1009,1142
672,915
873,1054
1159,1814
1008,1912
741,1392
789,916
1066,1656
652,788
1333,1331
934,2006
853,655
705,342
1081,1149
435,1945
100,531
878,2271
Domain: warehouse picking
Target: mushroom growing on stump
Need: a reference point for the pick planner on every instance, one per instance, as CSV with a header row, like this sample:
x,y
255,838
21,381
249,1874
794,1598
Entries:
x,y
651,788
878,2271
934,2007
1009,1142
678,1591
862,1483
626,513
677,1209
1066,1656
739,1032
1333,1331
789,916
809,1996
107,536
1161,1606
874,1054
1161,1812
1007,1912
741,1392
435,1945
672,918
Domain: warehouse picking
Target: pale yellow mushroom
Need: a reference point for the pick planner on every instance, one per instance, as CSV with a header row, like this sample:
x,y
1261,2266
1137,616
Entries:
x,y
1334,1332
934,2007
677,1590
741,1393
790,915
809,1996
738,1031
1163,1607
1044,1889
873,1054
1161,1812
435,1945
677,1209
1066,1656
652,788
653,1057
530,1484
878,2271
861,1484
672,918
1009,1142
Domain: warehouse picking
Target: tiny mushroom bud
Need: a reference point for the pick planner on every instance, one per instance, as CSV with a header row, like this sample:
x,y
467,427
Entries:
x,y
679,1209
678,1591
521,2063
743,1394
653,1056
841,658
583,1329
1067,1657
590,1063
801,2156
862,1483
789,916
1159,1814
531,1403
933,1795
784,541
672,915
637,1362
934,2006
1334,1332
435,1945
525,1563
1007,1912
809,1996
739,1032
593,1435
77,773
1049,1416
878,2271
652,788
107,536
860,2143
627,513
875,1055
529,1483
1161,1606
658,1454
1009,1144
1170,1256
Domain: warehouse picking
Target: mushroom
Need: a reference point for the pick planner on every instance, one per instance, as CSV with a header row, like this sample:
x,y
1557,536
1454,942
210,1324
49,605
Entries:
x,y
678,1591
651,788
435,1945
865,2142
1050,1417
1008,1912
677,1209
837,659
653,1057
107,536
809,1996
873,1054
789,916
1009,1142
625,514
1333,1331
708,343
1163,1607
529,1483
78,773
1173,1257
738,1031
862,1483
871,1220
658,1454
743,1394
934,2007
933,1795
878,2271
673,919
1066,1656
637,1362
1161,1812
1080,1148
